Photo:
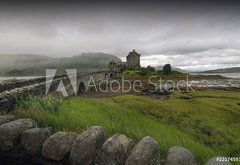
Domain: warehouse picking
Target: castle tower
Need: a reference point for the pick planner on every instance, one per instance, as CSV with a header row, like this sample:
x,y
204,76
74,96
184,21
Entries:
x,y
133,60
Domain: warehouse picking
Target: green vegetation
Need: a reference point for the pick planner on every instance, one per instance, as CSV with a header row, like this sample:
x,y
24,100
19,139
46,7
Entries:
x,y
144,72
167,69
207,123
212,118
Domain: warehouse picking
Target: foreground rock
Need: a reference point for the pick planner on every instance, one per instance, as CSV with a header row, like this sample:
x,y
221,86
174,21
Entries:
x,y
214,161
145,152
33,139
10,133
180,156
58,146
115,150
87,145
6,118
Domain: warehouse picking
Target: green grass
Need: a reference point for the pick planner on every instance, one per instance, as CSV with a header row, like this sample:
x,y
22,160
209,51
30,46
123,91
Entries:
x,y
210,117
137,74
207,123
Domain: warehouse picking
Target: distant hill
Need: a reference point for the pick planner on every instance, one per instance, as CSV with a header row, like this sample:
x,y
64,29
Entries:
x,y
160,67
35,65
225,70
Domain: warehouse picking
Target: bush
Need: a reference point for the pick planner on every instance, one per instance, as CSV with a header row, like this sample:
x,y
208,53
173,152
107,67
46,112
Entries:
x,y
167,69
143,72
150,68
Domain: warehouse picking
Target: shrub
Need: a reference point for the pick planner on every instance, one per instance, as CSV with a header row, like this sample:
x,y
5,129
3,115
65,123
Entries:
x,y
167,69
150,68
143,72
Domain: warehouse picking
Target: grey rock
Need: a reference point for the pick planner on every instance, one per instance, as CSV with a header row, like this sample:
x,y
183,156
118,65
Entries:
x,y
18,153
115,151
6,118
87,145
10,133
145,152
180,156
33,139
58,146
214,161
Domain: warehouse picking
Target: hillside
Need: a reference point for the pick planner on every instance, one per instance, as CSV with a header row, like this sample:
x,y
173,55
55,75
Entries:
x,y
225,70
35,65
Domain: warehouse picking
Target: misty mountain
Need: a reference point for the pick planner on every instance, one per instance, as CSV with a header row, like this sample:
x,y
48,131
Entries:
x,y
35,65
160,67
224,70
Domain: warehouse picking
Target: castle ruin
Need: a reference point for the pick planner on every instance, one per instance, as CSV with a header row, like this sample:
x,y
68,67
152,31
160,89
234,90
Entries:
x,y
132,63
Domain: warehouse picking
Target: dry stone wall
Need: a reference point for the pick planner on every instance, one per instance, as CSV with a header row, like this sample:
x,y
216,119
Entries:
x,y
10,93
9,85
9,98
23,143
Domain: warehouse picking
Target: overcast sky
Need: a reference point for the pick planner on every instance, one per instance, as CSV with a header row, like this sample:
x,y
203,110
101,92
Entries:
x,y
196,36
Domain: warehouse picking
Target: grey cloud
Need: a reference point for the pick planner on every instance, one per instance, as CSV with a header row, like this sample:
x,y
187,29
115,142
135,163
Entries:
x,y
186,37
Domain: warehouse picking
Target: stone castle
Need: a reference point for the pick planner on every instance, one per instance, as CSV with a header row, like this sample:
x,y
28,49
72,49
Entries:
x,y
133,62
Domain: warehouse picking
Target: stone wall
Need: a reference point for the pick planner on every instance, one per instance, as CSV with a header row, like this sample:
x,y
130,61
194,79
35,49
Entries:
x,y
9,85
22,142
8,98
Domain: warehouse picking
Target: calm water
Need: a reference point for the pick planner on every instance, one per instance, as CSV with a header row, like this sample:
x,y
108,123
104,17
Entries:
x,y
233,81
230,75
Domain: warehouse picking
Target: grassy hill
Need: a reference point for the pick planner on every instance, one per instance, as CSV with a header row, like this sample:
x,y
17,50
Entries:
x,y
35,65
225,70
207,123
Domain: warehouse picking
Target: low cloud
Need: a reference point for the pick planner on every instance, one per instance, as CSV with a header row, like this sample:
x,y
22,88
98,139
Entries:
x,y
211,59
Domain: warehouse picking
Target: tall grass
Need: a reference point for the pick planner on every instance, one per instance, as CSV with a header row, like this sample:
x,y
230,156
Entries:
x,y
212,118
173,122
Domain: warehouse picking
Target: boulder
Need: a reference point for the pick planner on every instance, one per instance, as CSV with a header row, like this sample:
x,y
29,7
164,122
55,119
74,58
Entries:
x,y
18,153
214,161
33,139
6,118
58,146
115,150
87,145
145,152
10,133
180,155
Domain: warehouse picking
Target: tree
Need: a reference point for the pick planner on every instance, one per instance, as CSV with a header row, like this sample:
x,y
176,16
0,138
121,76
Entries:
x,y
143,72
167,69
150,68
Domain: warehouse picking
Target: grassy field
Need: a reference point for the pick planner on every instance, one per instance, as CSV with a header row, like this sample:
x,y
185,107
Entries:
x,y
206,122
174,75
138,74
